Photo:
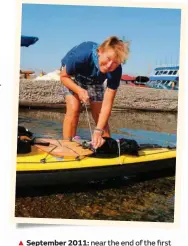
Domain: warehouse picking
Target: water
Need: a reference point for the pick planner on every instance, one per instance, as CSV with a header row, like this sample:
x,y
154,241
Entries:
x,y
141,198
162,132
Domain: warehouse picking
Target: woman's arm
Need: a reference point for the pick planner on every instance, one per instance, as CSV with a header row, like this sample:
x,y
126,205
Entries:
x,y
106,108
105,113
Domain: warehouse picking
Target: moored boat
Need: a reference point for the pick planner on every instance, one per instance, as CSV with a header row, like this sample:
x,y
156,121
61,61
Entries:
x,y
164,77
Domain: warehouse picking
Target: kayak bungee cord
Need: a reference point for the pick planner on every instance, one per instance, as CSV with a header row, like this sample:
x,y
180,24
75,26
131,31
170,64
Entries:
x,y
119,151
43,160
77,157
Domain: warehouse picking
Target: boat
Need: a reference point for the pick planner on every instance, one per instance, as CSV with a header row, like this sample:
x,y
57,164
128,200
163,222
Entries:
x,y
45,168
164,77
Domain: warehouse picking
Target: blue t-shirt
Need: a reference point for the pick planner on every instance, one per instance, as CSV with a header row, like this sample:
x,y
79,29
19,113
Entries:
x,y
82,62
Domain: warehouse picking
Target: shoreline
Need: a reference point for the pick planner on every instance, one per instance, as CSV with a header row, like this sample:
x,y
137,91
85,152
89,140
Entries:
x,y
46,106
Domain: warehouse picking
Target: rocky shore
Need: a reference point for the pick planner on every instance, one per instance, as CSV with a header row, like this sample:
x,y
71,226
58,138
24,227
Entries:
x,y
49,94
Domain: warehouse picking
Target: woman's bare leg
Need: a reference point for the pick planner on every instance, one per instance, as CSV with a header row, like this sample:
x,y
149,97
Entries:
x,y
95,110
71,117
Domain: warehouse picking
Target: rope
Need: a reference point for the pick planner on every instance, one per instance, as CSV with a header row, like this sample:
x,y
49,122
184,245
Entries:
x,y
87,116
119,151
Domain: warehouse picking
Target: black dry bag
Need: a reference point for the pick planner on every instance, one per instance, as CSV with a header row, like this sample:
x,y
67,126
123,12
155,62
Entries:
x,y
122,146
24,141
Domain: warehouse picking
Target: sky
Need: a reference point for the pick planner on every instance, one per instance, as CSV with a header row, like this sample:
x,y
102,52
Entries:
x,y
154,34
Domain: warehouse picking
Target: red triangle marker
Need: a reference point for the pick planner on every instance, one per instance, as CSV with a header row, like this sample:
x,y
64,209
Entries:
x,y
21,243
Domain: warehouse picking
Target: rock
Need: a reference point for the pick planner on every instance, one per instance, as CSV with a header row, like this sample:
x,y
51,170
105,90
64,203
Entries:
x,y
50,94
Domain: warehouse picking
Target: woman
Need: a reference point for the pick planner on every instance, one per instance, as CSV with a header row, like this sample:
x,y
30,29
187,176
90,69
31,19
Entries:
x,y
84,70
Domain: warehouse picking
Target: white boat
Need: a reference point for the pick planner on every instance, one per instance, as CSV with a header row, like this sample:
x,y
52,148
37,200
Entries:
x,y
164,77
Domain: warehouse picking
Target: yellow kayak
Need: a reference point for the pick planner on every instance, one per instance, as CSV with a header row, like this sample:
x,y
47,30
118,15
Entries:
x,y
41,168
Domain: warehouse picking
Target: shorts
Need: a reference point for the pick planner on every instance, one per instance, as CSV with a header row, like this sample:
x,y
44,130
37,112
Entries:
x,y
95,92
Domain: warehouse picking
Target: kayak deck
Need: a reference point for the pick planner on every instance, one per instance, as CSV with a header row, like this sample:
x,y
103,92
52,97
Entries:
x,y
38,160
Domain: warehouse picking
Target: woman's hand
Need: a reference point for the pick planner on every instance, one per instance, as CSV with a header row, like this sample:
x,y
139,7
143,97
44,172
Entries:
x,y
83,95
97,140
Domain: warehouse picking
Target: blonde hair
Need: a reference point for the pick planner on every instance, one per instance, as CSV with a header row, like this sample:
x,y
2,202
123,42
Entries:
x,y
120,47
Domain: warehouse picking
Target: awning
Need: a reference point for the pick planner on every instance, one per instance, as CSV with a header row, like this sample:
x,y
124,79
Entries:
x,y
126,77
26,41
